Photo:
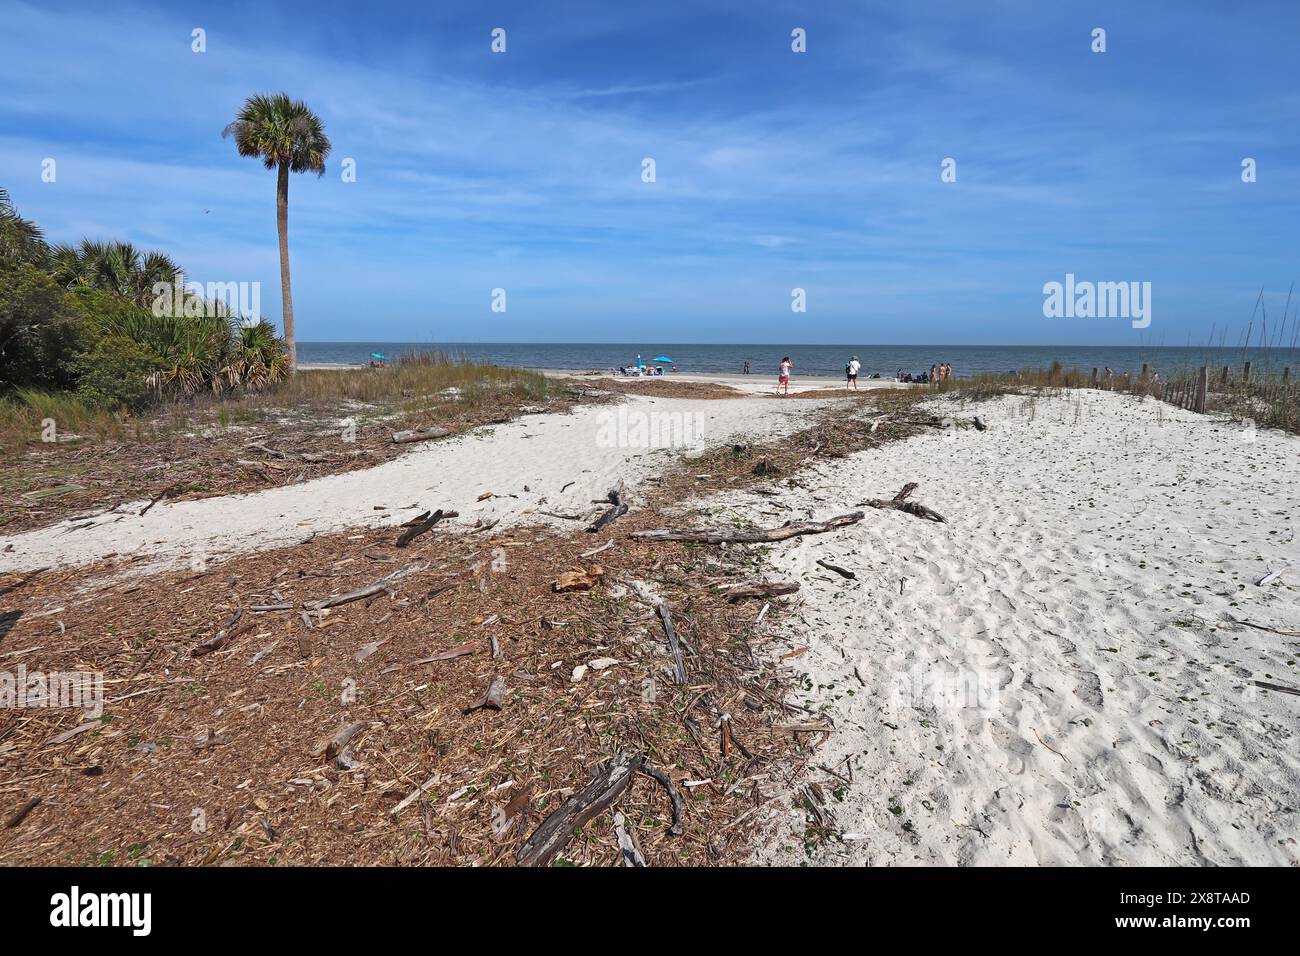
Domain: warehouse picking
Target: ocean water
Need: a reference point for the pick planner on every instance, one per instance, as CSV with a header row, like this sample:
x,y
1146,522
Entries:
x,y
816,359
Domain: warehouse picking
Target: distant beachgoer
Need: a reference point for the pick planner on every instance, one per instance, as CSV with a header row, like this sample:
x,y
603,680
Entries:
x,y
745,370
1110,375
783,375
851,373
934,374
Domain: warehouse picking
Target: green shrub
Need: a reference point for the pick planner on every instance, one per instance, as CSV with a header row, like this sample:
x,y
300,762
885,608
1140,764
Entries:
x,y
39,331
115,373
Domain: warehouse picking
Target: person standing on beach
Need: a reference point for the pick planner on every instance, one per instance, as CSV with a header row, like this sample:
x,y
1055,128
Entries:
x,y
934,374
783,375
851,373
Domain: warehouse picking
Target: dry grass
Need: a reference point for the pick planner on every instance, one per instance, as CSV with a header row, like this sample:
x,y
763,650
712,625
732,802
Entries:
x,y
322,422
1266,400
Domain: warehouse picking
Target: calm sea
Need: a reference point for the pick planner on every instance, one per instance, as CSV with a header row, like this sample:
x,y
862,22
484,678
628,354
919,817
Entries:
x,y
814,359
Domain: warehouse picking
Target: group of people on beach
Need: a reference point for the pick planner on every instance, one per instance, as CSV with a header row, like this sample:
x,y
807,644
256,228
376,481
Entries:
x,y
941,372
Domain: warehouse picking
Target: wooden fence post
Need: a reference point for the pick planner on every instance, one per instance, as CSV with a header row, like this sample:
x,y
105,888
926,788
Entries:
x,y
1245,374
1224,379
1286,375
1094,376
1144,373
1202,389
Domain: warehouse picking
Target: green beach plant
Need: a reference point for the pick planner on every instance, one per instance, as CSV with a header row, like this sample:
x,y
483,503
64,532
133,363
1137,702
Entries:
x,y
116,267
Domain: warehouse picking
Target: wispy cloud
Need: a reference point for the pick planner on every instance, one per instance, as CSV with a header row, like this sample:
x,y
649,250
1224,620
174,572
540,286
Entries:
x,y
773,169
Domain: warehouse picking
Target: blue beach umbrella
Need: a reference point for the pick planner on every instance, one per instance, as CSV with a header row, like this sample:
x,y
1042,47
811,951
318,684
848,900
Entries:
x,y
663,358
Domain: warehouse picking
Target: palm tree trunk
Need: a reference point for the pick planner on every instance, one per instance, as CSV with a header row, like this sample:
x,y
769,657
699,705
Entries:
x,y
282,226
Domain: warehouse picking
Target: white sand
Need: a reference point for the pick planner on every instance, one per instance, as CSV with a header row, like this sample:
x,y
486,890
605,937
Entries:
x,y
1057,682
589,451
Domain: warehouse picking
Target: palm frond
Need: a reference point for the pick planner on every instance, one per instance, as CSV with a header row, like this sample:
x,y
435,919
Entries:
x,y
280,131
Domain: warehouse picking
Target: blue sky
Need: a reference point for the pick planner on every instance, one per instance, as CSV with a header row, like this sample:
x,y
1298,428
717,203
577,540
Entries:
x,y
775,170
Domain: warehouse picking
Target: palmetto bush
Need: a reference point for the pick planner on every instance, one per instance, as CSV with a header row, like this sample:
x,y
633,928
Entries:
x,y
258,357
116,267
81,318
189,353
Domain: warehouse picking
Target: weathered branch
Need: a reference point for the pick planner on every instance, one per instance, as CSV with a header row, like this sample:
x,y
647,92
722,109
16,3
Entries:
x,y
419,434
679,666
331,746
752,536
667,784
773,589
606,785
422,523
900,503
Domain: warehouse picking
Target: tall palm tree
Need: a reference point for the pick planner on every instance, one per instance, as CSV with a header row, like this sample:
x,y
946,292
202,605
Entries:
x,y
20,239
289,138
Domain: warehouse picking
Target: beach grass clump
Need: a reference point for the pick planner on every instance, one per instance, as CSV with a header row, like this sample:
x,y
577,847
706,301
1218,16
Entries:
x,y
1267,402
33,414
988,386
418,380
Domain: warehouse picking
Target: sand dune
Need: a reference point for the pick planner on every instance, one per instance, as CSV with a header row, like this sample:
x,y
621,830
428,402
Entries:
x,y
1054,677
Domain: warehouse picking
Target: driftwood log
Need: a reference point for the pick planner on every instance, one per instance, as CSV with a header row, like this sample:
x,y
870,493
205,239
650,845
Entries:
x,y
1280,688
460,650
606,785
229,631
21,815
790,529
419,434
333,745
422,523
900,502
679,666
370,590
842,572
627,845
618,509
742,591
492,698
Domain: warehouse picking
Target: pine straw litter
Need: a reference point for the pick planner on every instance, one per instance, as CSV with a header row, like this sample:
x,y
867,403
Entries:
x,y
437,720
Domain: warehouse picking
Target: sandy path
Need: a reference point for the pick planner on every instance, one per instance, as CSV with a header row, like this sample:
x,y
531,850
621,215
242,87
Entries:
x,y
587,451
1056,683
